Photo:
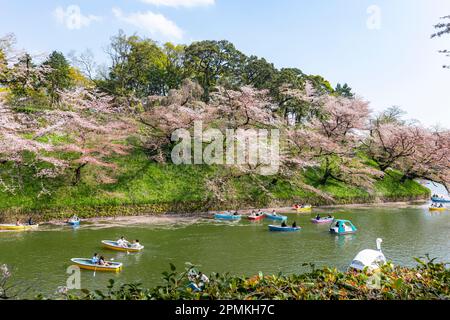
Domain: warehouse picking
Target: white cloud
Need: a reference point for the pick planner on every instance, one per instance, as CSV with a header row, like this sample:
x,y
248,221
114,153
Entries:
x,y
180,3
154,23
72,18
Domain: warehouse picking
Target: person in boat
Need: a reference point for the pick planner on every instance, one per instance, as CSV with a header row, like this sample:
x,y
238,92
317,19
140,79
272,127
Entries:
x,y
294,225
136,244
103,262
318,217
283,224
235,213
330,216
202,279
18,223
122,242
274,213
30,221
95,259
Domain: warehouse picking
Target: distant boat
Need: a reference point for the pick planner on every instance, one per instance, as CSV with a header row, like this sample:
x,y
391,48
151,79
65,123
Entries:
x,y
283,229
87,264
74,223
227,216
256,217
440,199
438,209
13,227
342,227
114,246
274,217
322,220
304,209
370,259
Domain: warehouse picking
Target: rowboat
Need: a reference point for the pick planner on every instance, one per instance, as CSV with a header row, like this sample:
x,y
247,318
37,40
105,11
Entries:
x,y
322,220
114,246
13,227
342,227
304,209
437,209
283,229
256,218
228,217
275,217
74,222
440,199
87,264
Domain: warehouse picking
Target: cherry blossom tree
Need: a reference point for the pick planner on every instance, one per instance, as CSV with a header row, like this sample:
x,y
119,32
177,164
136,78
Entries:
x,y
430,160
390,143
93,128
330,141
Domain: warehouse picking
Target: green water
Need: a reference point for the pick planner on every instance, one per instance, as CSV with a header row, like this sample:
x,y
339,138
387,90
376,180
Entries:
x,y
39,259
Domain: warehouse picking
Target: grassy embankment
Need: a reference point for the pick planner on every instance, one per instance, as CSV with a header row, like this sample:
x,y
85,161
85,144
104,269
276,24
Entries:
x,y
143,187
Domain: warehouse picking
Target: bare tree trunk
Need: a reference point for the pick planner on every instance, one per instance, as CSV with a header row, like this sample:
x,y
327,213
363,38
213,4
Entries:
x,y
77,178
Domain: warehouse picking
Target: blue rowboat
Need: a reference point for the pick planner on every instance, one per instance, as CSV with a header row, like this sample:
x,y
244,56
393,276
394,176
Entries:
x,y
275,218
283,229
228,217
74,223
440,200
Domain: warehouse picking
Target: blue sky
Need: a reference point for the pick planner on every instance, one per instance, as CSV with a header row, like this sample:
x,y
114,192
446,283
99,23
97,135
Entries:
x,y
382,48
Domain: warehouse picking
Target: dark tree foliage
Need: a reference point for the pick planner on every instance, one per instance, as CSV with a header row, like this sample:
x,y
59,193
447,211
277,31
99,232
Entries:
x,y
344,90
58,77
443,28
214,62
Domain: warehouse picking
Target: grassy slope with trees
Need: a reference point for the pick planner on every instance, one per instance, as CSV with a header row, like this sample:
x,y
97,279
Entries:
x,y
71,174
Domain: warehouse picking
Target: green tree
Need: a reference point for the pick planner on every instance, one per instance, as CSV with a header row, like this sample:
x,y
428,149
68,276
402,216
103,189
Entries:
x,y
175,72
258,73
141,68
344,90
3,68
59,75
212,61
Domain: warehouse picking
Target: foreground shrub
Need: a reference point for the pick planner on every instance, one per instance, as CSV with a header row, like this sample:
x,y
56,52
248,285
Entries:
x,y
428,281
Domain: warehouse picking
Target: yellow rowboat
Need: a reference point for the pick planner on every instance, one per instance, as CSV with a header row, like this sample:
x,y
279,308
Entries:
x,y
114,246
13,227
305,209
438,209
87,264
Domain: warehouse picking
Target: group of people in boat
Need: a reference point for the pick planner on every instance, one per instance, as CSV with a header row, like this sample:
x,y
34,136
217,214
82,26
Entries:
x,y
284,225
232,213
198,280
257,213
99,260
74,218
301,206
318,217
30,222
437,205
122,242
